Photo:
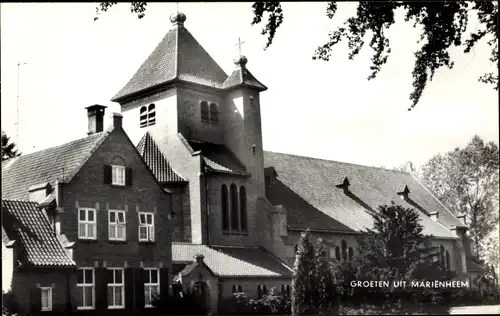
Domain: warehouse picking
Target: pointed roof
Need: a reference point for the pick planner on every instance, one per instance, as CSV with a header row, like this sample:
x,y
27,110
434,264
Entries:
x,y
241,76
178,56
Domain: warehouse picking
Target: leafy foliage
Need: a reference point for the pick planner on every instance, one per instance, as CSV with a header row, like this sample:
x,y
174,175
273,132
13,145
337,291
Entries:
x,y
443,25
303,281
268,304
8,148
138,8
467,181
325,287
10,306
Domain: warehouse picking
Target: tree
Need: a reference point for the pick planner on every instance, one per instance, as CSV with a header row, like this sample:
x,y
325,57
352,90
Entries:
x,y
467,181
303,283
8,148
443,24
323,276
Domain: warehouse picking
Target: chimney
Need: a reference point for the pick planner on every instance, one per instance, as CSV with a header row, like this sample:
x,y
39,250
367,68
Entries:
x,y
199,258
117,120
95,115
434,215
344,185
404,194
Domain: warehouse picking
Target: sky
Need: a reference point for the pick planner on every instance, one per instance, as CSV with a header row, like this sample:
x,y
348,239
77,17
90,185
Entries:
x,y
312,108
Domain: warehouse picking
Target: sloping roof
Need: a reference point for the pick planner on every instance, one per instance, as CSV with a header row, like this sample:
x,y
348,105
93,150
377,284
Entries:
x,y
178,56
47,165
232,261
218,158
306,187
241,76
30,228
157,162
49,200
473,266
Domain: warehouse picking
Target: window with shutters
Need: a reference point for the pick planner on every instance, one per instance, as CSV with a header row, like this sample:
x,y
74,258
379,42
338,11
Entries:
x,y
85,288
146,227
147,115
116,288
151,285
117,225
118,175
87,223
46,298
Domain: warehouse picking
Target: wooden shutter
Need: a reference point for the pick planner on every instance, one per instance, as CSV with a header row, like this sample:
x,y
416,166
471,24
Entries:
x,y
129,288
164,283
101,289
128,177
139,287
36,300
107,174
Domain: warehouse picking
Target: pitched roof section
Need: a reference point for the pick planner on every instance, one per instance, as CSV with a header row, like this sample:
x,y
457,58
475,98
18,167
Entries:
x,y
312,184
218,158
30,228
48,165
232,261
241,76
157,162
178,56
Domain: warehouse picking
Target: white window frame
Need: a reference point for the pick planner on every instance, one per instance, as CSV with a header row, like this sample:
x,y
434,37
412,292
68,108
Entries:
x,y
87,224
49,298
150,285
115,179
114,226
114,285
150,228
85,284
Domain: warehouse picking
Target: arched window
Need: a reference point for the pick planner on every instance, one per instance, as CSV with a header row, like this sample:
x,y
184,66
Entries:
x,y
234,290
288,290
234,207
264,289
296,248
447,260
225,207
337,253
351,253
285,290
239,288
243,208
147,115
344,250
441,256
204,111
214,113
259,291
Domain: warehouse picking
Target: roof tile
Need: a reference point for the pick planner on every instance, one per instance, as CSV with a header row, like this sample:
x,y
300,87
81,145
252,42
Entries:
x,y
218,158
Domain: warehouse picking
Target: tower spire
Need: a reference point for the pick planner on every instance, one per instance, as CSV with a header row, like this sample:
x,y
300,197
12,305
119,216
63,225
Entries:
x,y
239,46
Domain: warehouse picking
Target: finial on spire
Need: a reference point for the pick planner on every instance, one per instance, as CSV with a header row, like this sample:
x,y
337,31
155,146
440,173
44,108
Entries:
x,y
178,18
240,60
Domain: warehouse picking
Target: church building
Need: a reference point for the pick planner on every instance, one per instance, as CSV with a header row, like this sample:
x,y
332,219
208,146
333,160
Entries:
x,y
238,210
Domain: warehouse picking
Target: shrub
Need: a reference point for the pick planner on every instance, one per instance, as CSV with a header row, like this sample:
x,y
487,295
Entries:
x,y
10,306
180,304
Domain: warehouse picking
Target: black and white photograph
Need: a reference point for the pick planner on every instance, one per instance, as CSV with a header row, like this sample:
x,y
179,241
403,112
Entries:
x,y
250,158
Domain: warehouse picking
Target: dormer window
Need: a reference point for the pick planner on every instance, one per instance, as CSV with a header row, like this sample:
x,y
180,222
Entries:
x,y
209,112
147,115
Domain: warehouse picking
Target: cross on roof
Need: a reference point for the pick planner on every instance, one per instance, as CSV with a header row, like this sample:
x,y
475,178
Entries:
x,y
177,4
239,45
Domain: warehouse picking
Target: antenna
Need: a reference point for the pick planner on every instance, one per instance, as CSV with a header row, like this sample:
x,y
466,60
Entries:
x,y
17,104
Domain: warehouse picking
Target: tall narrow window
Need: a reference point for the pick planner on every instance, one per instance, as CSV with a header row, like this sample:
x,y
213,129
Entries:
x,y
344,250
116,288
117,225
214,113
448,261
234,207
85,288
151,285
146,227
86,224
147,115
46,298
337,253
225,207
243,208
204,111
441,256
143,116
351,253
151,115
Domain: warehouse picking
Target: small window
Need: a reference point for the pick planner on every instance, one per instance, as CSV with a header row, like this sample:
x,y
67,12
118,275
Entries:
x,y
204,111
351,253
147,116
118,175
237,288
285,290
151,285
332,252
234,208
117,225
243,209
337,253
214,113
146,227
85,287
86,224
344,250
225,207
116,288
46,298
448,268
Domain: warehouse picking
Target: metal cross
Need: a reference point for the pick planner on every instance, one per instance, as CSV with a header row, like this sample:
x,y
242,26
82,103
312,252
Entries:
x,y
177,4
239,45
